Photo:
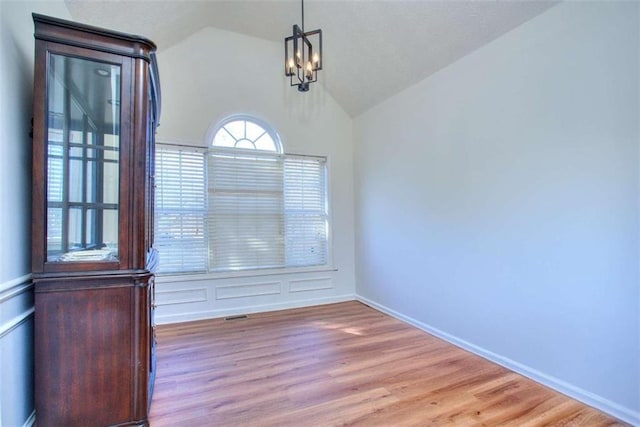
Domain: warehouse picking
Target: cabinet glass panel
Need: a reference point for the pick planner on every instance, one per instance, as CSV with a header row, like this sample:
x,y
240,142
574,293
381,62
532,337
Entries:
x,y
83,155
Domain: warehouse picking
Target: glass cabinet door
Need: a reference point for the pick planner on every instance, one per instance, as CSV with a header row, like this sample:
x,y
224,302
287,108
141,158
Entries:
x,y
83,159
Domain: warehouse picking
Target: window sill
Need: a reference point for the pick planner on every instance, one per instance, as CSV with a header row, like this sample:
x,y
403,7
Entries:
x,y
171,278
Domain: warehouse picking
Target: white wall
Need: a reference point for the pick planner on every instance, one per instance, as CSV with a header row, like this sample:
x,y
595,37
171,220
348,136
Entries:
x,y
16,296
211,75
497,202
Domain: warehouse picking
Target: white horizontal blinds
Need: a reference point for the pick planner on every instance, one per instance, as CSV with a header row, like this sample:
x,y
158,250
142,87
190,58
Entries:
x,y
246,210
181,210
305,206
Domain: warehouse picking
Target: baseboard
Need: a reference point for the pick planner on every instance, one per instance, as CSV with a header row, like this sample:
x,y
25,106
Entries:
x,y
31,421
212,314
586,397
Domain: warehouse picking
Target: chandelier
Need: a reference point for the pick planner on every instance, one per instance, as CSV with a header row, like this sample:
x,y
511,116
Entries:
x,y
302,61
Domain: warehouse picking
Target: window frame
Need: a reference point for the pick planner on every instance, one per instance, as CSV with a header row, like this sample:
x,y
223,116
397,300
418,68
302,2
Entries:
x,y
213,131
259,271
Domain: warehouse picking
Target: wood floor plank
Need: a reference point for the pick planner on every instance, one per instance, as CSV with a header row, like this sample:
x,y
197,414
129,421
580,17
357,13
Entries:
x,y
339,365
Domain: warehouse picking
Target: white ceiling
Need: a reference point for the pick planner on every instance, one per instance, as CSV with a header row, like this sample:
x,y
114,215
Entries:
x,y
372,48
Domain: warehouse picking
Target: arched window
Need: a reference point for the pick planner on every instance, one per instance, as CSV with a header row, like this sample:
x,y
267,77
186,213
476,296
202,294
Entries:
x,y
246,133
241,203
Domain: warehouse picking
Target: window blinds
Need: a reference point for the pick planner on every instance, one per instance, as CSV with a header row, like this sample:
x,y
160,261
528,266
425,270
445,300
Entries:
x,y
246,211
181,210
232,210
305,208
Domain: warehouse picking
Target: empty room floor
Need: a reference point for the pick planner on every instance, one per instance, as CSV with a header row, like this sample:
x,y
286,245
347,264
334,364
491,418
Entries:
x,y
340,364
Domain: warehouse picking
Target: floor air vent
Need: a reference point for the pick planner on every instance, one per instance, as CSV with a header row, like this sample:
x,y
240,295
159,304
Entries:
x,y
241,316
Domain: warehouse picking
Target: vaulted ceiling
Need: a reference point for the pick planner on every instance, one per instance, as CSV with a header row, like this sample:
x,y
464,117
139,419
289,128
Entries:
x,y
372,48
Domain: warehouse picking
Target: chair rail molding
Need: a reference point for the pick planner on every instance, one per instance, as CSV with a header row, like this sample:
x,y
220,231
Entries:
x,y
19,314
16,345
8,287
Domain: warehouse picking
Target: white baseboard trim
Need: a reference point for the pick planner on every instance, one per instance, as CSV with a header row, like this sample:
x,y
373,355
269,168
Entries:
x,y
584,396
212,314
31,421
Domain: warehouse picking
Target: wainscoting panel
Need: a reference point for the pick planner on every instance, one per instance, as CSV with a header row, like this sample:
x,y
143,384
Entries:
x,y
195,297
182,296
311,284
16,352
248,290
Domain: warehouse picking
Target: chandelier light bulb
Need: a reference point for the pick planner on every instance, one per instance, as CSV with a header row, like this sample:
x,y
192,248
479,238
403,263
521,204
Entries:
x,y
309,70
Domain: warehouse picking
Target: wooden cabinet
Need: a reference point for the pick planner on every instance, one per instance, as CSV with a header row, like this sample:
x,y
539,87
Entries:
x,y
96,107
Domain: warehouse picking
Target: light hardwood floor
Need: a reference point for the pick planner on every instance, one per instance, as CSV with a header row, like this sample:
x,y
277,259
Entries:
x,y
340,364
